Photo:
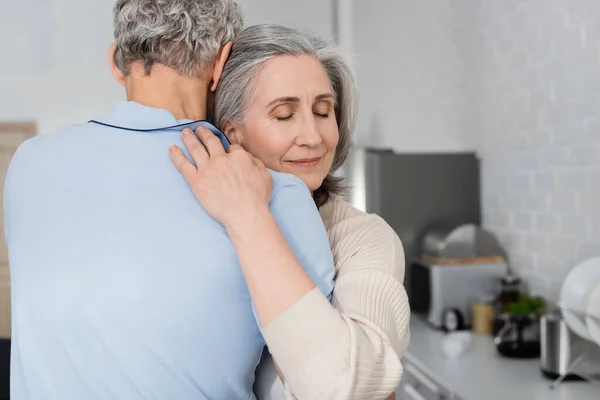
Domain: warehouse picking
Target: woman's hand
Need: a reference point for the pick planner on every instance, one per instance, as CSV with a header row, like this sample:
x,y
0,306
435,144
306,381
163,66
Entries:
x,y
229,184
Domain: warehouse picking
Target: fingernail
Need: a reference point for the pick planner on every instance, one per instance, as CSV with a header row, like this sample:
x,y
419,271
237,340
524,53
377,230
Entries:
x,y
186,132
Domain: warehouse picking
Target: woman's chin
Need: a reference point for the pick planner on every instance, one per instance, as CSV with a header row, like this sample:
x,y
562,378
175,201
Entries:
x,y
312,182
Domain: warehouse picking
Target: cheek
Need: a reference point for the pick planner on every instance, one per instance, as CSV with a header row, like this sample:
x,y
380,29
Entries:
x,y
265,143
330,135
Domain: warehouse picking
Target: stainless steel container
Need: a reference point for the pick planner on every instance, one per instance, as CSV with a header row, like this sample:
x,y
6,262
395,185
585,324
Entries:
x,y
559,346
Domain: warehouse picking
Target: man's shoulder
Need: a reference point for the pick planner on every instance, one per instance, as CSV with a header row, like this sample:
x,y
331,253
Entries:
x,y
46,139
35,152
287,182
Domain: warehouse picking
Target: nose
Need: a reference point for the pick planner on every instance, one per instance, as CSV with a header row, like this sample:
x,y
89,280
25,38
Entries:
x,y
309,133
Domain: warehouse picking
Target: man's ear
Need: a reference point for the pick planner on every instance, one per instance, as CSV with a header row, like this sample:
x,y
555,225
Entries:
x,y
220,60
116,72
233,133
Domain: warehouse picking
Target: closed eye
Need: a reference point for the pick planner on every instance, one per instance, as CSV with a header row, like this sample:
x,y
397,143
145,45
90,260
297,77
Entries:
x,y
287,118
323,107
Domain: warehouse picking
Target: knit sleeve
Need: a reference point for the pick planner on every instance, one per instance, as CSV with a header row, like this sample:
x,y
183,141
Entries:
x,y
350,348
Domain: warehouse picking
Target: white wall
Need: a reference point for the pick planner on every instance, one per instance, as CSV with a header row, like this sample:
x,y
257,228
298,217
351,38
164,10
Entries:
x,y
411,90
316,15
412,67
55,63
537,94
411,95
55,67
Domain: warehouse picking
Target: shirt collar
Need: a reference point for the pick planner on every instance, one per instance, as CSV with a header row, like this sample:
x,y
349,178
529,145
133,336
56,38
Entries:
x,y
130,115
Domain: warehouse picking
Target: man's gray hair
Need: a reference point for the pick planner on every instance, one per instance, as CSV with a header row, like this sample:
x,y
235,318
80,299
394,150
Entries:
x,y
258,44
182,34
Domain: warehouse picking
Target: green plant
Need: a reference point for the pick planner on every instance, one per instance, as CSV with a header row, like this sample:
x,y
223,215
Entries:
x,y
526,305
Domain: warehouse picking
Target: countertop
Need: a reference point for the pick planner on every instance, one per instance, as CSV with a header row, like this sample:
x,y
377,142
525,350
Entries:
x,y
481,374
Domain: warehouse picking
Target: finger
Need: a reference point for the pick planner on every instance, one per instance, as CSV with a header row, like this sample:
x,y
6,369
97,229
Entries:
x,y
211,141
195,148
184,166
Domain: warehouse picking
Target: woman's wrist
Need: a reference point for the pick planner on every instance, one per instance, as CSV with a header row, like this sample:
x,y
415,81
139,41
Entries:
x,y
245,218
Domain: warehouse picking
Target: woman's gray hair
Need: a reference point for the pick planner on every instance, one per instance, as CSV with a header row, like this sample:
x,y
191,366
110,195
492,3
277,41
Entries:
x,y
181,34
258,44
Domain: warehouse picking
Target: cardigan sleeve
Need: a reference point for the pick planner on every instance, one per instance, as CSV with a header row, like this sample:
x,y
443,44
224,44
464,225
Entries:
x,y
349,348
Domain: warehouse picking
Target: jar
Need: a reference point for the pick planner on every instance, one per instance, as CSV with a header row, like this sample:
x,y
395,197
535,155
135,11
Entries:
x,y
510,290
483,317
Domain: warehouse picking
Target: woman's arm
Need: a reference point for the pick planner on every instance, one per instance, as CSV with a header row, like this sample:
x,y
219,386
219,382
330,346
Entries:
x,y
235,189
274,277
350,350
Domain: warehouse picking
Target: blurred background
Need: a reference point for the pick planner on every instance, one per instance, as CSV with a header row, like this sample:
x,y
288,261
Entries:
x,y
478,140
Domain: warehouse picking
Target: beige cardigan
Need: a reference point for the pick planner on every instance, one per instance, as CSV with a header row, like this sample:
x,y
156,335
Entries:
x,y
350,348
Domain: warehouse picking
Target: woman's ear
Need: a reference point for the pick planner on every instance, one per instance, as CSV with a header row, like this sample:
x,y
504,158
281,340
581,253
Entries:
x,y
232,131
116,72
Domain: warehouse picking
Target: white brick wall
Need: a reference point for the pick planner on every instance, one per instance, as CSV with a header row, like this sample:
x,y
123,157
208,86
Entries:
x,y
535,97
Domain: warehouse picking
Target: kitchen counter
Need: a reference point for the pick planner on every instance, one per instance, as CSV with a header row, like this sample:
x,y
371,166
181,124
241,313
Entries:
x,y
481,374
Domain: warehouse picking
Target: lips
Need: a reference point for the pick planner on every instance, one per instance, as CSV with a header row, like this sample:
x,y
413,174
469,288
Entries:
x,y
305,162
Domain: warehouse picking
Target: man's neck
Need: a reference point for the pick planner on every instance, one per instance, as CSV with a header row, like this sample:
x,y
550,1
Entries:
x,y
184,97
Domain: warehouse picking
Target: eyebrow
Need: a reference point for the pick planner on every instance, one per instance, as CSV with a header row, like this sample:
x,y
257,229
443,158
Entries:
x,y
284,100
291,99
324,96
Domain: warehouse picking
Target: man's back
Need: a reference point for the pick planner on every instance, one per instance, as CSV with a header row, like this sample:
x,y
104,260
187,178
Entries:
x,y
123,287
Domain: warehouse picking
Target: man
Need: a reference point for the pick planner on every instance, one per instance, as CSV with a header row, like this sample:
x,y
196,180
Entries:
x,y
123,287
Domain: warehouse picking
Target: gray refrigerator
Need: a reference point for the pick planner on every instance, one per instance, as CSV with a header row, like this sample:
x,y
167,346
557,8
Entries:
x,y
414,191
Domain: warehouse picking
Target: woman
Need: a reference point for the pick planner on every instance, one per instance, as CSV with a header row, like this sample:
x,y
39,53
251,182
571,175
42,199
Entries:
x,y
286,101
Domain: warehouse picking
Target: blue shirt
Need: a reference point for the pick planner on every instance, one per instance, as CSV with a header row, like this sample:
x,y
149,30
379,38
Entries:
x,y
123,287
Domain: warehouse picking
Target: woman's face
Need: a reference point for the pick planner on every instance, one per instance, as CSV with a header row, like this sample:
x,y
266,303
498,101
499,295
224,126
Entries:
x,y
291,126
